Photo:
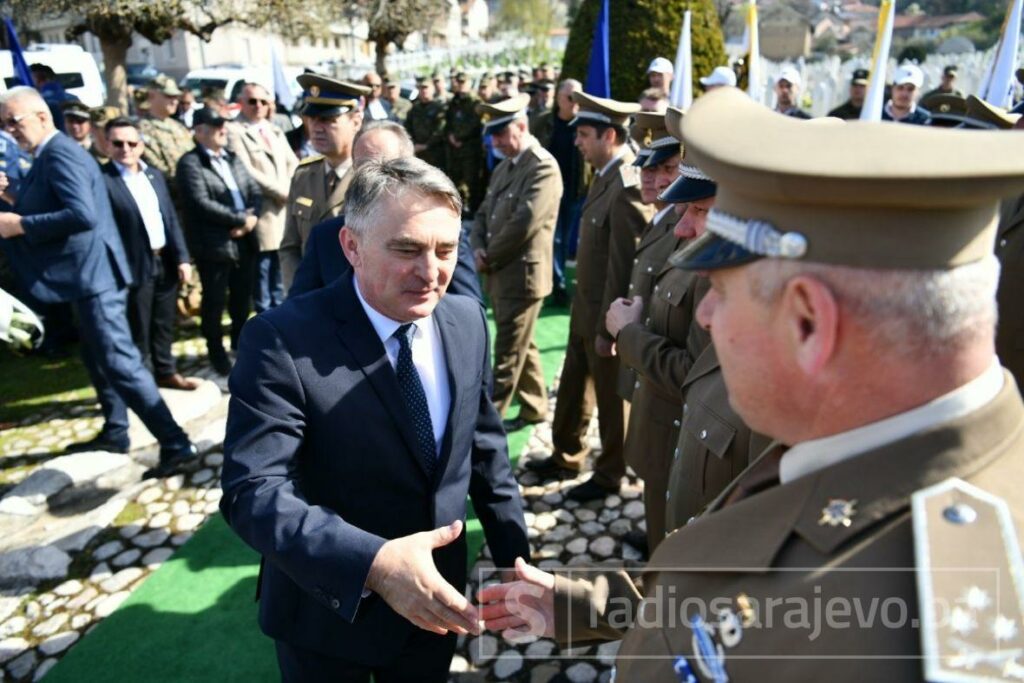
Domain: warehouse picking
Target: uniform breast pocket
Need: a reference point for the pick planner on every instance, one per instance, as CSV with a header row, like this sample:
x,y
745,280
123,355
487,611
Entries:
x,y
715,436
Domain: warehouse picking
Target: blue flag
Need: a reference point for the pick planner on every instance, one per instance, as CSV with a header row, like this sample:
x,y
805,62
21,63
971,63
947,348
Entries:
x,y
17,58
598,78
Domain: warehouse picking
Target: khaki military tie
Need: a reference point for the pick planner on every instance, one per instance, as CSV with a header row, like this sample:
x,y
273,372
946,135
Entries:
x,y
332,182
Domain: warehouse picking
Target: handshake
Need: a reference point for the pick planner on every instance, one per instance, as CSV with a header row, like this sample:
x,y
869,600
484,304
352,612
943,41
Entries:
x,y
404,575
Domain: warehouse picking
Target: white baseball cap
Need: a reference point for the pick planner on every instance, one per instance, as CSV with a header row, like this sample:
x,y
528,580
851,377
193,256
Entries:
x,y
790,74
661,65
908,73
722,75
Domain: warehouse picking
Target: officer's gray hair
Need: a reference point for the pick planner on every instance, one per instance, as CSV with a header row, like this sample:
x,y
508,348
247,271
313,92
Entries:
x,y
378,183
910,312
570,84
24,93
405,145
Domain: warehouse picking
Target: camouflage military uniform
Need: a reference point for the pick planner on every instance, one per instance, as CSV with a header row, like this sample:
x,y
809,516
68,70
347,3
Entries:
x,y
463,123
166,142
400,109
425,124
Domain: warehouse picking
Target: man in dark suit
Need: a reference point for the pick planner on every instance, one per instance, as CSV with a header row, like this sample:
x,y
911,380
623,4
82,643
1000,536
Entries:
x,y
359,422
154,246
221,202
62,242
324,261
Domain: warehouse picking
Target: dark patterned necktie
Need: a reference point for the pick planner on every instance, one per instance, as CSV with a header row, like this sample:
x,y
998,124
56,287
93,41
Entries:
x,y
415,399
332,182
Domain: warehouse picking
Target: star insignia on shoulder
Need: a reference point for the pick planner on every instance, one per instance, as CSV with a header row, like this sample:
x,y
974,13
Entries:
x,y
838,512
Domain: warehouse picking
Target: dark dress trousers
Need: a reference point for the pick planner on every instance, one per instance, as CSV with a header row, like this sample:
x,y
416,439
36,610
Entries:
x,y
227,265
151,300
324,262
71,252
321,468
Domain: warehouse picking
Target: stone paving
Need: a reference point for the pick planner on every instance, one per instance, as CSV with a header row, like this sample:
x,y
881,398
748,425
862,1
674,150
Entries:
x,y
79,533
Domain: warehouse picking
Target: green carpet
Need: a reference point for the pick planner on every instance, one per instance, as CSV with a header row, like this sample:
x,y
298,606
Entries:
x,y
195,619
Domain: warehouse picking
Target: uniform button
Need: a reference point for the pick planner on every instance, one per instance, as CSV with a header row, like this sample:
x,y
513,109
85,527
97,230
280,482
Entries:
x,y
691,520
675,454
686,408
703,434
670,295
1002,242
335,603
636,261
675,423
668,494
593,221
631,286
657,287
647,323
636,385
650,270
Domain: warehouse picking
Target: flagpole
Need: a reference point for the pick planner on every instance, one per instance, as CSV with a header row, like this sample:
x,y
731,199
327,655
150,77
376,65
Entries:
x,y
874,100
997,89
755,84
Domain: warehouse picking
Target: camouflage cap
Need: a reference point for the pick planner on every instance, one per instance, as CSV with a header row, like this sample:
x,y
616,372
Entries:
x,y
163,83
100,115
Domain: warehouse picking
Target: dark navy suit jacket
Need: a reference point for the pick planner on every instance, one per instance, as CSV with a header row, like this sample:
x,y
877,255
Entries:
x,y
71,248
321,468
324,261
133,230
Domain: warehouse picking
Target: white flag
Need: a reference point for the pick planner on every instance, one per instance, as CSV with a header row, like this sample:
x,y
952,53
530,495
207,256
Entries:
x,y
874,100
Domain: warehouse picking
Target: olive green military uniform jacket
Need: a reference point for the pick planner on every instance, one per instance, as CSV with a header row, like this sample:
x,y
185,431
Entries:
x,y
515,225
307,205
400,109
770,560
463,123
715,445
166,142
611,220
542,122
425,124
1010,250
656,244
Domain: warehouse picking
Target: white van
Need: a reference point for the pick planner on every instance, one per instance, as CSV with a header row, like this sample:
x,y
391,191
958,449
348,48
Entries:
x,y
229,78
75,68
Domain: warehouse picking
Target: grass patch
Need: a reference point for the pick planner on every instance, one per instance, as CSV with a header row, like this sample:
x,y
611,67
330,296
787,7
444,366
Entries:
x,y
132,512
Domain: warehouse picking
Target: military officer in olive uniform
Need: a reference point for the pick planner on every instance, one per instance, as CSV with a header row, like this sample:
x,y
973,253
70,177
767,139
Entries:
x,y
425,124
611,219
399,105
512,239
167,139
901,483
463,133
333,112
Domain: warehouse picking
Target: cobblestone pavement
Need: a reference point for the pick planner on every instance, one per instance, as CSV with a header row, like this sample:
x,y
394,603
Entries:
x,y
79,533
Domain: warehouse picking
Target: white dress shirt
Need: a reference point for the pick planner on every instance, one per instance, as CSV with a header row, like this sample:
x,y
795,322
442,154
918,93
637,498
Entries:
x,y
147,202
810,456
427,356
39,148
219,162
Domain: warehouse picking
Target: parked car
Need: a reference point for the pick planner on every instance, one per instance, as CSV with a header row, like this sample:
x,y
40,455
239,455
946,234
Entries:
x,y
75,68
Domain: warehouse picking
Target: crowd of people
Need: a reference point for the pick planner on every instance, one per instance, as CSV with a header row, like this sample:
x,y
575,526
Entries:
x,y
787,349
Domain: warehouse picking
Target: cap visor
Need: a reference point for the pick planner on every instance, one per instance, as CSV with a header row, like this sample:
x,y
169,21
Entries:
x,y
311,109
659,155
711,252
685,189
491,129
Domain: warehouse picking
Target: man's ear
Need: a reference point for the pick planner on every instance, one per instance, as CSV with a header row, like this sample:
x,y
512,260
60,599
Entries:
x,y
351,246
810,313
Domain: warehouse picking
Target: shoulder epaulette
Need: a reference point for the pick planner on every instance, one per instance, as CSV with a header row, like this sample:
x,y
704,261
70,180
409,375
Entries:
x,y
970,584
311,160
630,175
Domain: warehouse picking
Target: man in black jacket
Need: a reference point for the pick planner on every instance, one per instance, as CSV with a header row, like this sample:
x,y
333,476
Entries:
x,y
154,245
221,201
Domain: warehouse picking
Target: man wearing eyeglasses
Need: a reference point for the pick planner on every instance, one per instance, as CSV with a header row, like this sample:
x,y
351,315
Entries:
x,y
154,245
377,108
62,243
333,114
264,151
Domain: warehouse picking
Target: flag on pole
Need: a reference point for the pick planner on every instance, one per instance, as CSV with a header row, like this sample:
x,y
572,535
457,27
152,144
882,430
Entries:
x,y
755,80
997,88
282,91
21,70
682,86
598,78
874,99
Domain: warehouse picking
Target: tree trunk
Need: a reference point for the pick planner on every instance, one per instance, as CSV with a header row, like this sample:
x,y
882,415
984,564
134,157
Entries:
x,y
115,54
382,52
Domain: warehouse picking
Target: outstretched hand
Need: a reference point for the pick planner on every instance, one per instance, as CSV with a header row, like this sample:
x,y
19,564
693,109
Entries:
x,y
523,608
403,573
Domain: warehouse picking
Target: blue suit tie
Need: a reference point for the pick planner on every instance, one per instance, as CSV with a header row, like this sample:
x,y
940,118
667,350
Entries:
x,y
415,399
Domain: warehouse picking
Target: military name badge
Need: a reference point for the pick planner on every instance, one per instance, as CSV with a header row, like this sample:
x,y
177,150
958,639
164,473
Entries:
x,y
304,201
970,584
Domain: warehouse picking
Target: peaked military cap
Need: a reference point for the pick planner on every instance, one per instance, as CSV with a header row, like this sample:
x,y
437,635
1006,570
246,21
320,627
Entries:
x,y
100,115
649,131
867,195
421,80
692,184
598,110
325,96
946,110
500,114
164,84
76,110
988,115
